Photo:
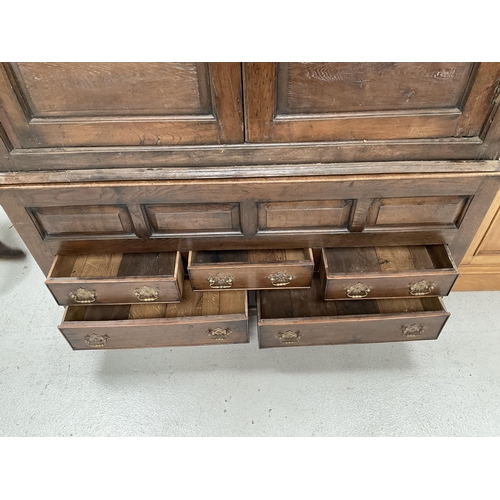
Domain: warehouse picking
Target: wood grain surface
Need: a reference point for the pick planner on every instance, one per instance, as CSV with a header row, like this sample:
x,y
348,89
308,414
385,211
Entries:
x,y
301,317
190,322
117,278
251,269
388,272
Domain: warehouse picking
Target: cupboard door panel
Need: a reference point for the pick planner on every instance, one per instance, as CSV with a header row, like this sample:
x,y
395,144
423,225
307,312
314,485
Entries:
x,y
120,104
351,87
295,102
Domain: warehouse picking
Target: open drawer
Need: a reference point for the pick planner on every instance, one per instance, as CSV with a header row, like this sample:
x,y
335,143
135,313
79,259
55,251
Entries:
x,y
209,318
116,278
251,269
387,272
302,317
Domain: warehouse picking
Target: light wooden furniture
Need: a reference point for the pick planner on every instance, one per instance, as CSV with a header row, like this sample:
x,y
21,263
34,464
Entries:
x,y
157,197
480,268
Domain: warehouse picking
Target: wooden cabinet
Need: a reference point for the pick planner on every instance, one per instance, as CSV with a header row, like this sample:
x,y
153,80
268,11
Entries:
x,y
245,174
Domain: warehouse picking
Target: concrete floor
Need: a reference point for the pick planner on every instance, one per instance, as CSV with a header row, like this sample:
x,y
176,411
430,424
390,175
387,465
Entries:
x,y
448,387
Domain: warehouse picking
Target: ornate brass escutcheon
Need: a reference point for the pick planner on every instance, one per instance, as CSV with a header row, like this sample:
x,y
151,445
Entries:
x,y
289,337
219,333
220,281
357,291
147,294
83,296
95,340
281,278
423,287
412,330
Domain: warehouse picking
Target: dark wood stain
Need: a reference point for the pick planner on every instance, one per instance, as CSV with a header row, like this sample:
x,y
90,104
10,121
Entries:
x,y
377,172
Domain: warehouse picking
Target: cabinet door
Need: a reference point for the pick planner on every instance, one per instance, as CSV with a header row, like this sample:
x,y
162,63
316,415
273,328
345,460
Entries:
x,y
296,102
120,104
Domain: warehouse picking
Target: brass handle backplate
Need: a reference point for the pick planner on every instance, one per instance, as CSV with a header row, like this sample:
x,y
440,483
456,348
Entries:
x,y
423,287
147,294
83,296
412,331
220,281
289,337
281,278
219,333
357,291
95,340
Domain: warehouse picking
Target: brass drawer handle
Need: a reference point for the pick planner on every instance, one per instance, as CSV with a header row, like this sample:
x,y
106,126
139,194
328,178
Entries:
x,y
83,296
423,287
147,294
95,340
357,291
220,281
412,330
289,337
281,278
219,333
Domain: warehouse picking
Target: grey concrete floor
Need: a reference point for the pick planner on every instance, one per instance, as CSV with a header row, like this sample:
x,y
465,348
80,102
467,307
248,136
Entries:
x,y
447,387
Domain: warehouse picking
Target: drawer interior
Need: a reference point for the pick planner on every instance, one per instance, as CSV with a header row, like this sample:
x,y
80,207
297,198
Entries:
x,y
249,256
309,303
115,265
388,259
193,304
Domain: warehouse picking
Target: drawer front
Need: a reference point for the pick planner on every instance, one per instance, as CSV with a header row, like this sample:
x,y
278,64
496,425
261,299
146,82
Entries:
x,y
302,317
352,331
369,287
201,318
127,291
387,272
116,278
130,334
247,275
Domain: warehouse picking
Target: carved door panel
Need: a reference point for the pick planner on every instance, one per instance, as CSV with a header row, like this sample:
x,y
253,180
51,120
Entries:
x,y
120,104
296,102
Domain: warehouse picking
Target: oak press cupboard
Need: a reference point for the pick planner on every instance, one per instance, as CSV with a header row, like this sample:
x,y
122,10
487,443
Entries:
x,y
165,202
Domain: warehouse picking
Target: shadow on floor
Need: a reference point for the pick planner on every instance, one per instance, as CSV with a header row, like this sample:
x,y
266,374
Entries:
x,y
249,358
